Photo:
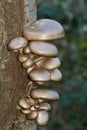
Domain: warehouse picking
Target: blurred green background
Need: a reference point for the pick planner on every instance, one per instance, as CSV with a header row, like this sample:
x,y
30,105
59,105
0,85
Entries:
x,y
70,112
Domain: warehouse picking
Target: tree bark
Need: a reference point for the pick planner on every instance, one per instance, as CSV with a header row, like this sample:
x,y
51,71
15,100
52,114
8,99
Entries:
x,y
14,15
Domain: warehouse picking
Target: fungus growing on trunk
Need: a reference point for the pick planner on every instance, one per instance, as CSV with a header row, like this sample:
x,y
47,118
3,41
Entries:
x,y
40,60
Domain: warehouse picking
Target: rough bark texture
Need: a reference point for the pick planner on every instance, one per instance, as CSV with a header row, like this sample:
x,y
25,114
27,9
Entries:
x,y
13,78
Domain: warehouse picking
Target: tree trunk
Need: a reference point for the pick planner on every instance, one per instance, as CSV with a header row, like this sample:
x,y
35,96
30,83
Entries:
x,y
14,14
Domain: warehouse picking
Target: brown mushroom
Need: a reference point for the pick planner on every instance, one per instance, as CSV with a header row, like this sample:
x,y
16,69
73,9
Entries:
x,y
22,57
43,29
45,106
42,118
17,44
49,63
31,101
40,75
24,103
43,48
32,115
45,94
25,111
28,63
56,75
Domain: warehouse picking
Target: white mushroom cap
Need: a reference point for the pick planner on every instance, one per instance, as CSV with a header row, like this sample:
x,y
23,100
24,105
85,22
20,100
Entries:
x,y
39,75
43,48
28,63
17,44
24,103
43,29
32,115
45,106
22,57
49,63
42,118
56,75
45,94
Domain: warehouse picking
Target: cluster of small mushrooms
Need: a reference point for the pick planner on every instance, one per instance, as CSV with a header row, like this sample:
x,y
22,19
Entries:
x,y
39,58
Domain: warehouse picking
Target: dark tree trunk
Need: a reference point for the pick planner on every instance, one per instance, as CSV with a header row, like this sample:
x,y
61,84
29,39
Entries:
x,y
14,14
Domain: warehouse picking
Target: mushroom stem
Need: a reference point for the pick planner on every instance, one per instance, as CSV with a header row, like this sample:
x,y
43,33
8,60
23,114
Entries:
x,y
21,50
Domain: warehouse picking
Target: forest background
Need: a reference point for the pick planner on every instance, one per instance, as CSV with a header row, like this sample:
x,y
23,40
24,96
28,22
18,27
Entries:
x,y
70,112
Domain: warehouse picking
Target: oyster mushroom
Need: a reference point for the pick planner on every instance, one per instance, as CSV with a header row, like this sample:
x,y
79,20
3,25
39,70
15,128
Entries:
x,y
49,63
43,29
42,118
25,111
40,75
32,115
43,48
28,63
45,94
44,106
24,103
17,44
56,75
22,57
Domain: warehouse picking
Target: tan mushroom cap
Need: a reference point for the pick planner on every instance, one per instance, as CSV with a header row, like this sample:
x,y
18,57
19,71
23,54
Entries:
x,y
17,43
45,106
45,94
22,57
25,111
32,115
24,103
43,48
42,118
31,101
56,75
49,63
28,63
39,75
44,29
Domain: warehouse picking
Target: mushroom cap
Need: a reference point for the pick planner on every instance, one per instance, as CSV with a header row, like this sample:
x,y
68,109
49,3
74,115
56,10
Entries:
x,y
49,63
42,118
43,48
45,94
24,103
45,106
44,29
25,111
32,115
26,50
28,63
40,75
56,75
31,101
17,43
22,57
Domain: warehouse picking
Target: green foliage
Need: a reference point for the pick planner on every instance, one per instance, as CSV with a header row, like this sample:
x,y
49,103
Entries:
x,y
71,113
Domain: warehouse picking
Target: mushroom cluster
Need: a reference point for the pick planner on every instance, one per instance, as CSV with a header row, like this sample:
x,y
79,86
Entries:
x,y
40,59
